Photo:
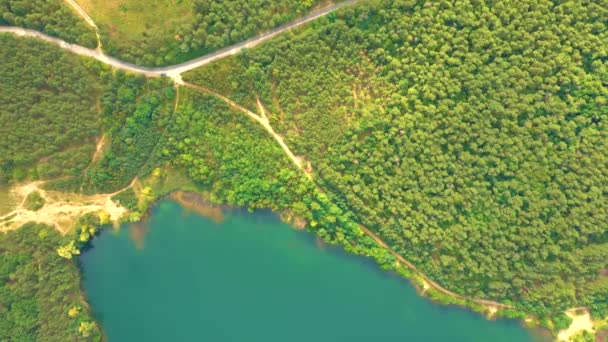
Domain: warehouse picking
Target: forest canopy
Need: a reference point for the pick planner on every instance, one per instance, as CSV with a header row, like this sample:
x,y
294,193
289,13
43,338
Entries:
x,y
40,295
163,33
471,136
47,110
52,17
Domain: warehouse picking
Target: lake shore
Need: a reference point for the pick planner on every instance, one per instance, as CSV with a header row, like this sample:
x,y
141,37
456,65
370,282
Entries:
x,y
255,254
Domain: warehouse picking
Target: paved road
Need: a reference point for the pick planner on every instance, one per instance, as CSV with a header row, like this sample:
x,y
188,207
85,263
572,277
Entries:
x,y
175,71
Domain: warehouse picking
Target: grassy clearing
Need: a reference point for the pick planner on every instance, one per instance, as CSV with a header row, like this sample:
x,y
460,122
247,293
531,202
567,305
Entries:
x,y
136,30
8,200
130,19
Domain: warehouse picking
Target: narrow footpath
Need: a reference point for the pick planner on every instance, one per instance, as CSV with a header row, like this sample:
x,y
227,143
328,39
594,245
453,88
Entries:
x,y
82,13
175,72
262,120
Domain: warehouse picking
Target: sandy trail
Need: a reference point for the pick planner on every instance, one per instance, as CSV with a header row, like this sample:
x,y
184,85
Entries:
x,y
60,210
53,212
490,304
262,120
176,100
98,149
82,13
261,108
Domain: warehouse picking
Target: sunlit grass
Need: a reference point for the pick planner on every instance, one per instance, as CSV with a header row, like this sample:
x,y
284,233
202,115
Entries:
x,y
129,19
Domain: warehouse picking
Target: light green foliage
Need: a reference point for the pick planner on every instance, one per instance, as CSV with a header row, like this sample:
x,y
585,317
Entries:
x,y
68,250
135,216
86,233
471,137
86,328
226,151
37,287
104,218
34,201
52,17
561,322
584,336
74,311
42,91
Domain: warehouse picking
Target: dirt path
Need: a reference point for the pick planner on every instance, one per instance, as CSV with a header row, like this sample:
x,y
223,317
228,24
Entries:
x,y
54,210
492,305
173,71
61,210
82,13
176,100
262,120
86,18
98,149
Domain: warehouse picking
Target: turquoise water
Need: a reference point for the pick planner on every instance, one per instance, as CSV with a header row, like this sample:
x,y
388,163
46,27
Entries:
x,y
254,278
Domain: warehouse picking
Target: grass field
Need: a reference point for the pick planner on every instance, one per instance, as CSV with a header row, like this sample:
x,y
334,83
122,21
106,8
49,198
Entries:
x,y
128,20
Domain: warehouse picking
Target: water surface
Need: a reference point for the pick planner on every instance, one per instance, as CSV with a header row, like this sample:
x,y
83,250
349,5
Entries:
x,y
253,278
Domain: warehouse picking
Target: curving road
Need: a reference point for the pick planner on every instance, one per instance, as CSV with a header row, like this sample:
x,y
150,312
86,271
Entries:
x,y
174,71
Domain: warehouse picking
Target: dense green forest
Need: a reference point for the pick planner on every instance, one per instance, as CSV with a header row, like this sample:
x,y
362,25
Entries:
x,y
197,27
226,151
47,110
52,17
40,295
236,162
134,112
471,136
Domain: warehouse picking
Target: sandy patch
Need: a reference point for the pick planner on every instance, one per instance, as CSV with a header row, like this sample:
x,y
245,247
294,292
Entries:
x,y
425,286
61,210
579,323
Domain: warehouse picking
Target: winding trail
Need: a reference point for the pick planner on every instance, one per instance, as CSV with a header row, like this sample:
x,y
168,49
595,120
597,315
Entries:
x,y
489,303
173,71
262,120
103,201
428,283
82,13
98,149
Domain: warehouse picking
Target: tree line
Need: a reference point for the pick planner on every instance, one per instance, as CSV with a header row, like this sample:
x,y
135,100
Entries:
x,y
48,111
470,137
208,25
52,17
